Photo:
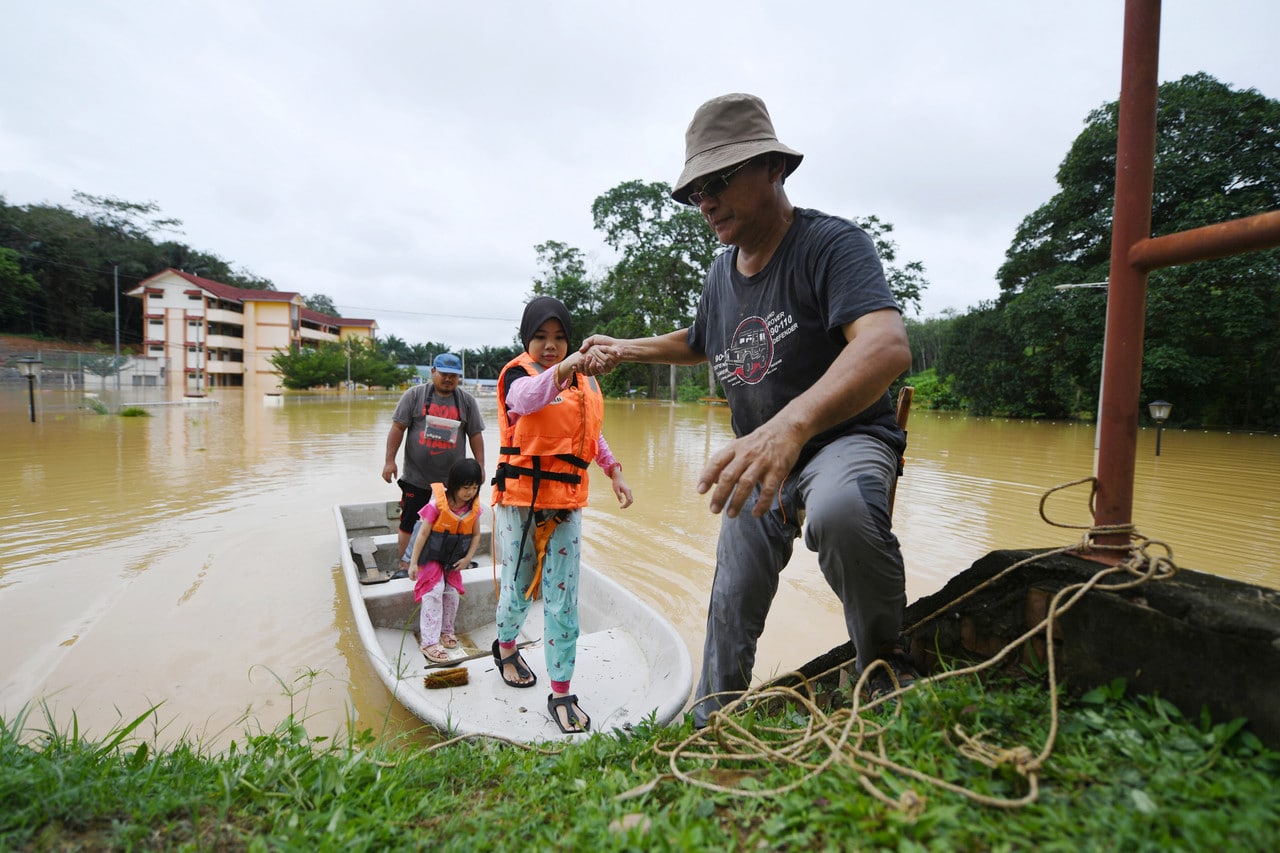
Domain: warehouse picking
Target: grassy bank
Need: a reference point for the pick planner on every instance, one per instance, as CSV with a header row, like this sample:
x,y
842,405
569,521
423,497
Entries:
x,y
1127,774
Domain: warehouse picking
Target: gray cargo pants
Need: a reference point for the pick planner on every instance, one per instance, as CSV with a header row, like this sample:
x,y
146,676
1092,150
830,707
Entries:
x,y
844,491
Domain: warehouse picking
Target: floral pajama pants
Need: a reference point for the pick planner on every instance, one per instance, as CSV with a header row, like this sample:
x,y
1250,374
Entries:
x,y
560,572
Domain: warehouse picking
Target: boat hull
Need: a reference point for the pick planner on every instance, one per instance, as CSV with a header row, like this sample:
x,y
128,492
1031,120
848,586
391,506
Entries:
x,y
631,664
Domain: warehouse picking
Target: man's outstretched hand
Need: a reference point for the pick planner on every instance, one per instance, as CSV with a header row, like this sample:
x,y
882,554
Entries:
x,y
599,355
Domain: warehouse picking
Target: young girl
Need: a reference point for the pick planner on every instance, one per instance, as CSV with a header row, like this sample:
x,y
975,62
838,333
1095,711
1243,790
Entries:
x,y
549,420
443,547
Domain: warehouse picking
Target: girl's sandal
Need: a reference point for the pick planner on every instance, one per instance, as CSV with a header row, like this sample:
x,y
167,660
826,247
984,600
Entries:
x,y
436,653
516,662
576,718
449,641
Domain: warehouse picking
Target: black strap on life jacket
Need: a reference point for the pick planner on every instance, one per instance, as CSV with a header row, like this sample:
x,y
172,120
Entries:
x,y
445,547
537,474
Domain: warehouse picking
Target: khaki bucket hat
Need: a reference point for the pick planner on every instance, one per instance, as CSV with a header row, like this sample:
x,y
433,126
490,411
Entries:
x,y
726,131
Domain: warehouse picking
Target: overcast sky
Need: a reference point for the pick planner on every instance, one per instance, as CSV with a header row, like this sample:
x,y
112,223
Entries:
x,y
405,158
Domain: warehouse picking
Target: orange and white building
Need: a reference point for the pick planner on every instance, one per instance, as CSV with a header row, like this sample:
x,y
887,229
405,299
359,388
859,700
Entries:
x,y
213,335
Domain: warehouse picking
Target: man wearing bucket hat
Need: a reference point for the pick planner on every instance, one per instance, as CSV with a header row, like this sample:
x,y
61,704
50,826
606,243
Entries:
x,y
805,338
435,416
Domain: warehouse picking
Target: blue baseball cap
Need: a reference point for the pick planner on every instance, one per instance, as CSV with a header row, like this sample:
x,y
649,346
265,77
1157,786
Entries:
x,y
447,362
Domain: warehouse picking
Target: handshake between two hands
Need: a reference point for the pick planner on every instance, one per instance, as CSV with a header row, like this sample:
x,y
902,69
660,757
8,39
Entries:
x,y
761,458
598,354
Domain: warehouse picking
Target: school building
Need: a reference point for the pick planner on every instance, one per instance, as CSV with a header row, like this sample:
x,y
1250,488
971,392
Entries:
x,y
205,334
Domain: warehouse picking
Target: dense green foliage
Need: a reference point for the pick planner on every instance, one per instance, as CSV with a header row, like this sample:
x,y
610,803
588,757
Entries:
x,y
1212,328
70,261
335,363
1124,775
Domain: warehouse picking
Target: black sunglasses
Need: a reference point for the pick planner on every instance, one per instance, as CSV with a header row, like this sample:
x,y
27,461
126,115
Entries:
x,y
716,184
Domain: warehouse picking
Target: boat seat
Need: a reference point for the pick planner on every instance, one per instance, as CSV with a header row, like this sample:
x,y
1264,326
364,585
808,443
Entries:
x,y
366,549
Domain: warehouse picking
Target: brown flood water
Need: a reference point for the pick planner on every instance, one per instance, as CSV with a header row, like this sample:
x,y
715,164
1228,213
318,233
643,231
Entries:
x,y
190,558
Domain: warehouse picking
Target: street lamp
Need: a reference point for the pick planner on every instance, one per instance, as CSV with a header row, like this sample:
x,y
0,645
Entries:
x,y
30,368
1159,413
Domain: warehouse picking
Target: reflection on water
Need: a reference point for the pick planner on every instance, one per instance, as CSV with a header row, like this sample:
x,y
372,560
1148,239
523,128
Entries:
x,y
190,558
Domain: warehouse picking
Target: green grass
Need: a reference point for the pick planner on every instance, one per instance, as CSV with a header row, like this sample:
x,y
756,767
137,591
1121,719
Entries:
x,y
134,412
1124,774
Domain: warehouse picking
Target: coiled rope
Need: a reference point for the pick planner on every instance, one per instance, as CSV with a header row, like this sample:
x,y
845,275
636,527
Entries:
x,y
732,744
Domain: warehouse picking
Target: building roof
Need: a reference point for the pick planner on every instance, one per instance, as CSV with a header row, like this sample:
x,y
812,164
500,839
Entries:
x,y
228,293
233,294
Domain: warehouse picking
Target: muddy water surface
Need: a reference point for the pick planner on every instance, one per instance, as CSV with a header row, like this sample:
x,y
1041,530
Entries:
x,y
190,559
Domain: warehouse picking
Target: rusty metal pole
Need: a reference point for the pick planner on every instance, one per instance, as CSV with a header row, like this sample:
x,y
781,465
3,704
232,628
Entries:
x,y
1127,297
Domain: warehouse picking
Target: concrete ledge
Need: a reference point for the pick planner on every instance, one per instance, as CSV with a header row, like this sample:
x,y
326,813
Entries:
x,y
1196,640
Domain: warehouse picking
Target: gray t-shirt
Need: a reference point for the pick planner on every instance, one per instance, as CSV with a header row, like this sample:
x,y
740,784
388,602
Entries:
x,y
428,455
771,336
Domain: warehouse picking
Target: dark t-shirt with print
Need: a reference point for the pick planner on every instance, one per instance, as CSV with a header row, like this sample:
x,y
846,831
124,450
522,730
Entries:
x,y
771,336
428,453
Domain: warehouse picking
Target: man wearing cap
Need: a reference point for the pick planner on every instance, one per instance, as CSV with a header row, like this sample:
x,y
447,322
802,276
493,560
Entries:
x,y
805,338
431,449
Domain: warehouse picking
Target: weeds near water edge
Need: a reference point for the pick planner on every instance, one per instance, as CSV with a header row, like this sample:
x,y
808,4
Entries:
x,y
1128,773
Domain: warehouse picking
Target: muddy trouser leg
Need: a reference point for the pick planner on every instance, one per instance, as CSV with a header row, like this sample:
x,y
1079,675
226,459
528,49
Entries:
x,y
845,489
749,555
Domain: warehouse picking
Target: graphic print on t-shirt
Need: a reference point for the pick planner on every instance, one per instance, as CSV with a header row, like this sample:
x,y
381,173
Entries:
x,y
750,351
751,354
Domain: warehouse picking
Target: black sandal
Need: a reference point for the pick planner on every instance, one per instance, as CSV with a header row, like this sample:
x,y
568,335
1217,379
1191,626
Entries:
x,y
522,669
568,702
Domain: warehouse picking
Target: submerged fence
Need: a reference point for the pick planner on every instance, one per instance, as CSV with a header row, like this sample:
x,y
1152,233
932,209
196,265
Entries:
x,y
91,371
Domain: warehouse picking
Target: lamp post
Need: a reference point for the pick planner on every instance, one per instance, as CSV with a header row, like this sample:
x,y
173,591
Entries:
x,y
30,368
1159,413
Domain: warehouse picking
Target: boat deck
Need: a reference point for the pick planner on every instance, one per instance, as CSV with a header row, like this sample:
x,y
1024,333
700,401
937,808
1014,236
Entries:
x,y
631,664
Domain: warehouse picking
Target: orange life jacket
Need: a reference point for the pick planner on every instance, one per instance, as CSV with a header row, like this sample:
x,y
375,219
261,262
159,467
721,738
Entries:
x,y
450,535
544,455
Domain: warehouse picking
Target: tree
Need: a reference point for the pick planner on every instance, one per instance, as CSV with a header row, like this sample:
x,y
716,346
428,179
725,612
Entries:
x,y
395,348
927,338
562,273
665,251
78,259
983,361
371,367
907,282
487,362
311,367
104,365
129,220
1213,328
322,303
333,361
18,292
